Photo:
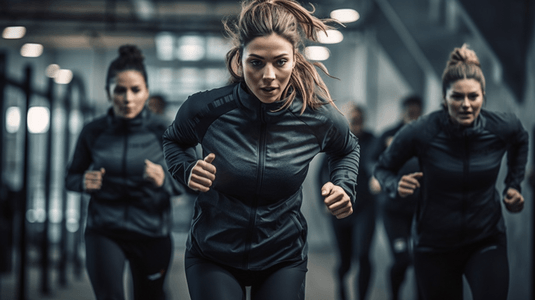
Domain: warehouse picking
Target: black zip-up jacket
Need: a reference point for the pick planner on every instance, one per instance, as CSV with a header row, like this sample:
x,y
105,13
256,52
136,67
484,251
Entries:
x,y
127,205
250,218
459,203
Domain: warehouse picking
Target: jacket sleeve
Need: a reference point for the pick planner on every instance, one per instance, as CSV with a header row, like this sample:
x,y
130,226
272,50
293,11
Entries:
x,y
343,154
179,142
80,162
323,172
394,157
517,155
170,186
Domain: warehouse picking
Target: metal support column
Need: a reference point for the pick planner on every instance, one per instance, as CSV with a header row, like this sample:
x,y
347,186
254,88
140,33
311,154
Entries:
x,y
24,192
45,242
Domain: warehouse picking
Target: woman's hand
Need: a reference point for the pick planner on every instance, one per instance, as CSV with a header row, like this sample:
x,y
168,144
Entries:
x,y
154,173
93,180
336,200
514,202
408,183
203,174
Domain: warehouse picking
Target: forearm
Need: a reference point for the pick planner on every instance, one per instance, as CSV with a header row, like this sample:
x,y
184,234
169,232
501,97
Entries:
x,y
74,182
387,178
345,168
74,178
179,158
517,157
171,186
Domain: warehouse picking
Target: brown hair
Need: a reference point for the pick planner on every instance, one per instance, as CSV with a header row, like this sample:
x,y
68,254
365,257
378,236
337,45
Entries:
x,y
290,20
130,58
463,64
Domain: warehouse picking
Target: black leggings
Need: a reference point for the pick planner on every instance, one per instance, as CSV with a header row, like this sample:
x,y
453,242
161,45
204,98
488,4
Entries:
x,y
353,240
398,230
149,263
211,281
484,264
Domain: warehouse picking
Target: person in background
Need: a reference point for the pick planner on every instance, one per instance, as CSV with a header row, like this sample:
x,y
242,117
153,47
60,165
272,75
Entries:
x,y
397,215
258,136
118,161
157,104
459,225
354,234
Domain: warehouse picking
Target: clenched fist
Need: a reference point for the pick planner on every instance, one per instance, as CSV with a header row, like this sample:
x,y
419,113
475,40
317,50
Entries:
x,y
336,200
154,173
203,174
93,180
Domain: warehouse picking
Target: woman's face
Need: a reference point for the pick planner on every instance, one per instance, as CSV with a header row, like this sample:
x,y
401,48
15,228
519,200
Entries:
x,y
129,93
463,100
267,64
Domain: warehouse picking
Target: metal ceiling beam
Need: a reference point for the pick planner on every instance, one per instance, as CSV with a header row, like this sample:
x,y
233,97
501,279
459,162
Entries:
x,y
95,22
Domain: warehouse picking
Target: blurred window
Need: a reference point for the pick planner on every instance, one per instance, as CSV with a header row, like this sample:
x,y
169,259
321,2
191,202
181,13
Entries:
x,y
198,64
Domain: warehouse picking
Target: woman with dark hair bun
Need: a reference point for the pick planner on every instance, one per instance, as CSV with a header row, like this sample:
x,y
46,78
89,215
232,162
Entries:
x,y
459,227
118,161
260,133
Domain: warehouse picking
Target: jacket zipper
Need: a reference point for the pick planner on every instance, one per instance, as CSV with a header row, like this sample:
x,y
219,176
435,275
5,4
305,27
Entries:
x,y
259,179
125,152
466,175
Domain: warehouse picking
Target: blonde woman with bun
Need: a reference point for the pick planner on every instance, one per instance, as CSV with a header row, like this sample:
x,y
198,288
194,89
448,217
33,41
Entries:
x,y
459,227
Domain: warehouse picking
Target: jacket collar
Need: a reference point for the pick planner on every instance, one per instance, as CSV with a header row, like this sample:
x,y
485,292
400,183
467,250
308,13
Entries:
x,y
264,111
119,122
456,130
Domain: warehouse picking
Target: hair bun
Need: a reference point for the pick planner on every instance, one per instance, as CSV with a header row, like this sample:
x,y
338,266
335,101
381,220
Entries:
x,y
463,55
131,53
462,64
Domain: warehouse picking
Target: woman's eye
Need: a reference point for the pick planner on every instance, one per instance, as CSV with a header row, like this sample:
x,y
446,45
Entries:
x,y
119,90
282,62
255,63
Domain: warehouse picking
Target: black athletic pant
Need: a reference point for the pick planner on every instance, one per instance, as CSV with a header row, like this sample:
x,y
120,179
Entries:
x,y
398,230
484,264
211,281
354,237
149,263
